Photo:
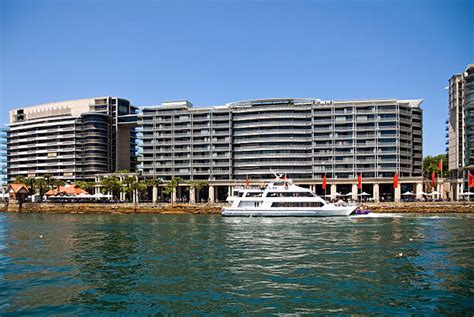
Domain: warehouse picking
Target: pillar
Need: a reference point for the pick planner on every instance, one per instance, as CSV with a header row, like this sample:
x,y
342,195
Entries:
x,y
154,195
173,196
397,193
354,192
333,191
211,194
376,191
419,190
443,190
192,195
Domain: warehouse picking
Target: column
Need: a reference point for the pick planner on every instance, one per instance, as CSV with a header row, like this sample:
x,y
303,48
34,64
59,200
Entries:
x,y
376,191
154,198
354,192
443,190
173,196
192,195
211,194
122,196
419,190
333,191
397,193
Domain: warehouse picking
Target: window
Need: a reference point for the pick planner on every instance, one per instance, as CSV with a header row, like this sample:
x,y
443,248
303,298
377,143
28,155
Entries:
x,y
297,204
250,194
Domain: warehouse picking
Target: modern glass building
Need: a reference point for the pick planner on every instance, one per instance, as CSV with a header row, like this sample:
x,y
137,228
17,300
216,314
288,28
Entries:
x,y
461,130
72,140
303,138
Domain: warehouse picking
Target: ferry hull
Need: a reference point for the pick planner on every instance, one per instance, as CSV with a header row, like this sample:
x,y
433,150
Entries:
x,y
288,212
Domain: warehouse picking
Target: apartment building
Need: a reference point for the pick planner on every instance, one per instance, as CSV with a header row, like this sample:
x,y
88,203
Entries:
x,y
72,140
461,130
303,138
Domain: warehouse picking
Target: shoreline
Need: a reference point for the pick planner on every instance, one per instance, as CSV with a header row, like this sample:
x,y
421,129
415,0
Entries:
x,y
215,208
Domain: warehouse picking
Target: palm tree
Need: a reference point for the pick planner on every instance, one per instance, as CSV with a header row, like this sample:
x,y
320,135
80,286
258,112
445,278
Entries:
x,y
57,182
29,182
87,186
197,186
172,185
49,179
127,186
155,182
42,186
137,188
112,184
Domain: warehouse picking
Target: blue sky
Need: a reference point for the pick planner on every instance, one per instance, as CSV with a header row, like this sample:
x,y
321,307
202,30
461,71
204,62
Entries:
x,y
213,52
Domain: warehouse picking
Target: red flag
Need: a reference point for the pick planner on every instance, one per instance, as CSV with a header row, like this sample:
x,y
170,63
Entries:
x,y
246,181
470,180
440,165
395,180
432,179
359,181
324,182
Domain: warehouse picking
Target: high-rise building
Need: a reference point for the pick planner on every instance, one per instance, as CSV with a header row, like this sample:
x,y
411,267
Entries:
x,y
72,140
461,130
304,138
3,158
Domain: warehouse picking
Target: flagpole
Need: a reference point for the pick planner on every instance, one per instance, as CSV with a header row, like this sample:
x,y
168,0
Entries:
x,y
468,188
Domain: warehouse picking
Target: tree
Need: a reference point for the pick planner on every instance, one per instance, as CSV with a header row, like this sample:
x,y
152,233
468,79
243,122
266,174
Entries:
x,y
57,182
430,164
197,186
87,186
49,179
172,184
137,188
155,182
127,185
42,186
112,184
29,182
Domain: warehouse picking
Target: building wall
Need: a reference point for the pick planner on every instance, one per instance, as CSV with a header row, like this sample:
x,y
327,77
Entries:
x,y
461,130
70,140
305,138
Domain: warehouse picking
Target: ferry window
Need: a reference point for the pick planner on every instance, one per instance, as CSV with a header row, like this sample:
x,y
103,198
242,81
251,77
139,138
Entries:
x,y
297,204
250,194
240,194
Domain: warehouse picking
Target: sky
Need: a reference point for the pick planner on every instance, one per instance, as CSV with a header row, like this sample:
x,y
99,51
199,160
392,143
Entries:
x,y
214,52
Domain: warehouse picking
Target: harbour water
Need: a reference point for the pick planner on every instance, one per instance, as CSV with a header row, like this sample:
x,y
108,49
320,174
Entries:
x,y
63,264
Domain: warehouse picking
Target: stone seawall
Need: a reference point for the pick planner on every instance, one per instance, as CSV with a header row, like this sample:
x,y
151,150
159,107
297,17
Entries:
x,y
420,207
84,208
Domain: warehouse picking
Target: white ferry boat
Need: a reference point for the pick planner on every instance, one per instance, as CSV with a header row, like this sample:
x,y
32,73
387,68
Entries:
x,y
282,198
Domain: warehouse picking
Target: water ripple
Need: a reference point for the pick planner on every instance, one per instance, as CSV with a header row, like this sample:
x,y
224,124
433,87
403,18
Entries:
x,y
151,264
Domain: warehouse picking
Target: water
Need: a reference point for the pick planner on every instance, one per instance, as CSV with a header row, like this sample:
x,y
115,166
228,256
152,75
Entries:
x,y
177,264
